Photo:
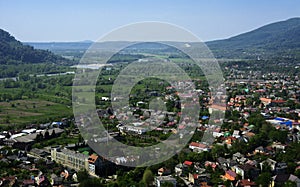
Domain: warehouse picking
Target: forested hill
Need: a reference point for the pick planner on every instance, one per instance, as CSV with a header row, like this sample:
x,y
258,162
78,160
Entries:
x,y
279,38
13,51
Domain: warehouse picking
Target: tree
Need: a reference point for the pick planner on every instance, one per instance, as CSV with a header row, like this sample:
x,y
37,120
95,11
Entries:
x,y
297,173
39,137
53,134
264,179
148,177
91,182
290,184
82,175
167,184
218,150
47,135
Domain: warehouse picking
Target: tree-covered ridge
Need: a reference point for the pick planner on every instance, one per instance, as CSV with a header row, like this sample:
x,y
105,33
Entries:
x,y
282,38
13,51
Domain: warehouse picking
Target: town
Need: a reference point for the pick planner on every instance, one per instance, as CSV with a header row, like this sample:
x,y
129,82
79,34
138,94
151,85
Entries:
x,y
257,143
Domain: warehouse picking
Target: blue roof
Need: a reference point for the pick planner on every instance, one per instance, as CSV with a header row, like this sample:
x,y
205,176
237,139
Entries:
x,y
279,119
205,117
287,123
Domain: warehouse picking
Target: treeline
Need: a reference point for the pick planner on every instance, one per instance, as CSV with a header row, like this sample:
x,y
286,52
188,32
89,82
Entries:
x,y
279,64
34,69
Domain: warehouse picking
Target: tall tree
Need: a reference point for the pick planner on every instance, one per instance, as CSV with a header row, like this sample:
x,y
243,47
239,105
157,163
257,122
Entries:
x,y
148,177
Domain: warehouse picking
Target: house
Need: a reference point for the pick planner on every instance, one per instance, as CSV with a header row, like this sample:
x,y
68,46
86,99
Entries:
x,y
238,157
93,162
278,102
280,168
163,171
45,126
247,171
193,178
58,124
25,141
105,98
160,180
56,181
265,101
201,179
281,179
245,183
230,175
217,107
278,146
249,135
42,181
236,133
8,181
178,168
251,162
100,166
187,163
102,113
222,162
40,153
133,129
259,149
268,162
29,183
213,165
198,147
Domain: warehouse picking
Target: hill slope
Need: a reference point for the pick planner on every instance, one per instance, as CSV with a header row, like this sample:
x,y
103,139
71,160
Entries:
x,y
13,51
281,37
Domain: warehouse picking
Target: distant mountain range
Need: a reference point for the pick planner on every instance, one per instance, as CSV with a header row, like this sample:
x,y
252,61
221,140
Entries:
x,y
279,39
272,40
13,51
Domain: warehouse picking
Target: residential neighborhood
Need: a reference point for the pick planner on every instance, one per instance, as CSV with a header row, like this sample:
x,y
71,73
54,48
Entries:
x,y
260,126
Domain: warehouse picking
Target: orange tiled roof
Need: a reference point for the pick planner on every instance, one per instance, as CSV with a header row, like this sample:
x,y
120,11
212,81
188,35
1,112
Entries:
x,y
263,99
93,158
196,144
218,107
188,163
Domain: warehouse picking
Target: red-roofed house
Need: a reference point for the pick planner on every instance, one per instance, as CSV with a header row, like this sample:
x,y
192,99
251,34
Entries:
x,y
265,101
93,163
198,147
187,163
230,175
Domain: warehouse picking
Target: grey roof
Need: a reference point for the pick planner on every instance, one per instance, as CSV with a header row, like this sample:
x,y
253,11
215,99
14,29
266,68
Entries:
x,y
31,137
74,154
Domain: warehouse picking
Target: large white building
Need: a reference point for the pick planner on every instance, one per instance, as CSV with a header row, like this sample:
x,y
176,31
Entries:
x,y
69,158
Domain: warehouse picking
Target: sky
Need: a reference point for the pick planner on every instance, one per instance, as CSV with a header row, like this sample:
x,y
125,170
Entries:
x,y
79,20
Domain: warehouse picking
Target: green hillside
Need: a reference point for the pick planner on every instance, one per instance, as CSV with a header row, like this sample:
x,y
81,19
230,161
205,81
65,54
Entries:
x,y
281,38
13,51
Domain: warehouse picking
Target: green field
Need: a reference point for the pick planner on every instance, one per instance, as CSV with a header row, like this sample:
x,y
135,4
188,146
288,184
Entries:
x,y
31,111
